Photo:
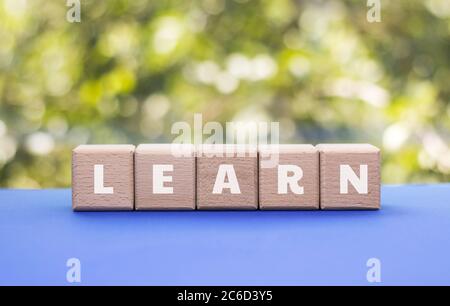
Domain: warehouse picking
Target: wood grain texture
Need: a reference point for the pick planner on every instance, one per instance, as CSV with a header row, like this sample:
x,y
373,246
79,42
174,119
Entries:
x,y
246,168
183,178
304,156
334,155
118,161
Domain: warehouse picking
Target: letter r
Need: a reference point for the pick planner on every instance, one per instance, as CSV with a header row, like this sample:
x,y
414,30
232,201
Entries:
x,y
285,180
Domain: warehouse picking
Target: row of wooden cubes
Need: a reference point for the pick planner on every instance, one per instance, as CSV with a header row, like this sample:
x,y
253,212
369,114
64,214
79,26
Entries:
x,y
151,177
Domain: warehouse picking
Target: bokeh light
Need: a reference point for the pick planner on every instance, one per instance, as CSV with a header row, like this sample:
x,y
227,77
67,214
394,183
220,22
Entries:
x,y
131,69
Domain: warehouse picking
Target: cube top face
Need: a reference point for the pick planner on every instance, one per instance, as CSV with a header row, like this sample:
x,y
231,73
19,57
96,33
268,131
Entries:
x,y
227,181
164,181
286,149
177,150
103,177
227,150
347,148
349,176
97,149
292,182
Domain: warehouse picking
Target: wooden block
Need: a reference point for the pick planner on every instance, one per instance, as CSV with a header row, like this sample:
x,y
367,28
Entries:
x,y
103,177
291,180
164,181
349,176
227,177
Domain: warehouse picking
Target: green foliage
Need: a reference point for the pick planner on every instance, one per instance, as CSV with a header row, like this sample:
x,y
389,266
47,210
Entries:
x,y
131,69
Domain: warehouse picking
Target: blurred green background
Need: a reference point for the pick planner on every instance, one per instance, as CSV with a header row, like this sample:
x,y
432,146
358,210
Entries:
x,y
131,69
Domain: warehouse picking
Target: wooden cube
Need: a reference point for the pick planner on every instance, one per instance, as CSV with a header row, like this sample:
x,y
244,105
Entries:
x,y
103,177
288,177
165,179
349,176
227,177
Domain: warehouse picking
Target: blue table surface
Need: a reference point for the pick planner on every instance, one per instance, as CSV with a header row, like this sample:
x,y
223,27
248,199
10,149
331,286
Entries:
x,y
410,236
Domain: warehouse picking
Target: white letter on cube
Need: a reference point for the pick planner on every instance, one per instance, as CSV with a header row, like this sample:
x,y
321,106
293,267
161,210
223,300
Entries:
x,y
159,179
285,180
220,184
348,175
99,185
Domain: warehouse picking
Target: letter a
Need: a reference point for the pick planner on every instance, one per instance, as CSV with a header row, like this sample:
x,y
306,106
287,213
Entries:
x,y
226,171
73,275
74,13
374,272
374,13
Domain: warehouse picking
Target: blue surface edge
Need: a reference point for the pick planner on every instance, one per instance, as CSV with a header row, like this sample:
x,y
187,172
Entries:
x,y
409,236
